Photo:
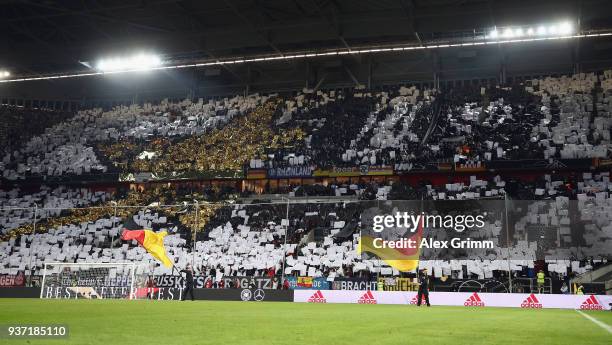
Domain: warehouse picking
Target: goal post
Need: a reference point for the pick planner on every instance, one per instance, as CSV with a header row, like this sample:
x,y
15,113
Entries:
x,y
122,280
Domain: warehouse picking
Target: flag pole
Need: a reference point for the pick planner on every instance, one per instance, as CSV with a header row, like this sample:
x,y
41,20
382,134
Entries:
x,y
282,282
508,241
35,216
114,203
195,231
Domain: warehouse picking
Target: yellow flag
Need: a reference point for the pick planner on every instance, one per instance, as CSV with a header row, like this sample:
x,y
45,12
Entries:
x,y
154,244
403,260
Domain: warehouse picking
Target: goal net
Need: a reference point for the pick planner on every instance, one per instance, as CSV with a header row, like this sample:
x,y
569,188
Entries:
x,y
94,281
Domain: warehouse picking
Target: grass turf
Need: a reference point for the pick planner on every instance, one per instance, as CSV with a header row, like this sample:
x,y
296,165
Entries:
x,y
208,322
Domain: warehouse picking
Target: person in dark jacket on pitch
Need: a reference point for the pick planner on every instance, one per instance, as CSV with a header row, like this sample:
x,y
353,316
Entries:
x,y
423,288
188,282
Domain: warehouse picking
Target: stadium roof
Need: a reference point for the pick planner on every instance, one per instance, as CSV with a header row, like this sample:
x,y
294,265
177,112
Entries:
x,y
47,36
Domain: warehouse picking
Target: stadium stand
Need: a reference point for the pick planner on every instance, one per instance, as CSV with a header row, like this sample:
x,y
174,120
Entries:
x,y
123,134
18,207
20,124
248,239
404,127
330,171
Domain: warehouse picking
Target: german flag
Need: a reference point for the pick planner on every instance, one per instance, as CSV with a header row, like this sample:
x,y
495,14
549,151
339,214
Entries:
x,y
305,282
402,259
152,242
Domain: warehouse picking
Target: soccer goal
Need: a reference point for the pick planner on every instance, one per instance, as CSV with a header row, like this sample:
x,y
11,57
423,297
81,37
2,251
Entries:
x,y
93,281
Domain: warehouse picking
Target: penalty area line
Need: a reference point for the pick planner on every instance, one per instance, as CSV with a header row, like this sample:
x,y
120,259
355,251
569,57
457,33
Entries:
x,y
597,322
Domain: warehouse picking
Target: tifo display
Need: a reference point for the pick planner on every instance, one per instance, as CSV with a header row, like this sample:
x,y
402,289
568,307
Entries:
x,y
325,172
388,136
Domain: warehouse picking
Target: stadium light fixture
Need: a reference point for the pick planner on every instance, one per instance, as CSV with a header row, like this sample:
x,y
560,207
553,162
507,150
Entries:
x,y
518,32
136,62
542,30
551,30
492,38
566,28
508,33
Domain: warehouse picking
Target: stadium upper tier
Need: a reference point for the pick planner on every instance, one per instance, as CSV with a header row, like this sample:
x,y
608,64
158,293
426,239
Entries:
x,y
405,128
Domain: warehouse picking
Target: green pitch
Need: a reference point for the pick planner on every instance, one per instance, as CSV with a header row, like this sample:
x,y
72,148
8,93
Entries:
x,y
205,322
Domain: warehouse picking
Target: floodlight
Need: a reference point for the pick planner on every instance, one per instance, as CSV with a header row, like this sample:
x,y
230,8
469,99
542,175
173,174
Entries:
x,y
518,32
541,30
140,61
566,28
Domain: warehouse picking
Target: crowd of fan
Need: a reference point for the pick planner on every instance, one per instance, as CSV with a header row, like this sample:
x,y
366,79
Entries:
x,y
567,117
240,239
96,141
403,127
19,124
19,208
409,128
353,128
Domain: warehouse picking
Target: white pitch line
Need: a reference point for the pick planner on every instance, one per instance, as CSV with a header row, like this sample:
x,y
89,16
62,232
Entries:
x,y
597,322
